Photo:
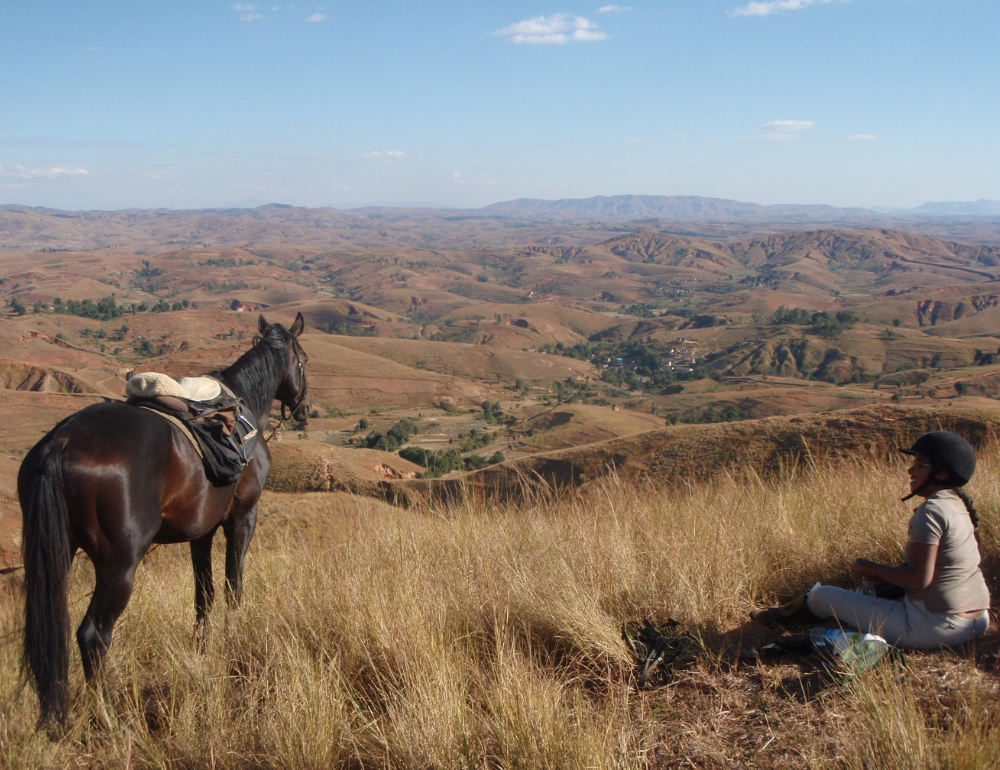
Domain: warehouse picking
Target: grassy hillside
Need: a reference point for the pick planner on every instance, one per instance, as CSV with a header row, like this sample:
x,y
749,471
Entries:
x,y
488,635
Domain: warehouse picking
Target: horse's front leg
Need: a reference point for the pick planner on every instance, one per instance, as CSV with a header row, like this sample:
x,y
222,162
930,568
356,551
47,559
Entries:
x,y
239,530
204,587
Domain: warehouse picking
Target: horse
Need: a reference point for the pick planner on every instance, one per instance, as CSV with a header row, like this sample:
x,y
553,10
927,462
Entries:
x,y
112,480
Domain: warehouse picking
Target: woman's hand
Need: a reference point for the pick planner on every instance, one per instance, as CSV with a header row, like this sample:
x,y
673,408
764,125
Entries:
x,y
866,567
917,573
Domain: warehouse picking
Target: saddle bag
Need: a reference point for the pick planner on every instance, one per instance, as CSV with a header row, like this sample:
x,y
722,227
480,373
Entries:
x,y
223,428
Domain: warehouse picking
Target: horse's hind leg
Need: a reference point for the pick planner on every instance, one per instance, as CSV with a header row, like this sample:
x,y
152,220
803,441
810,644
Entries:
x,y
111,594
238,531
204,588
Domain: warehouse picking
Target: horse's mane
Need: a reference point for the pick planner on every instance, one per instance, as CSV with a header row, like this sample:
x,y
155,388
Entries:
x,y
255,375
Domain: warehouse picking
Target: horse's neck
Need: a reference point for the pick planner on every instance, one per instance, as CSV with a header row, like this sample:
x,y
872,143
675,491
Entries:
x,y
254,377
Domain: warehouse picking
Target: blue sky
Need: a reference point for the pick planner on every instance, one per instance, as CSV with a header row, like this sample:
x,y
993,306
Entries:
x,y
113,104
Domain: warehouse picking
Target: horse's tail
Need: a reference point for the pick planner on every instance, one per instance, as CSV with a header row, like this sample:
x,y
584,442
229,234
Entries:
x,y
46,550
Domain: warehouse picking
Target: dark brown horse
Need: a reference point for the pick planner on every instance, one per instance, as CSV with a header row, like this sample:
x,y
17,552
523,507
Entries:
x,y
112,480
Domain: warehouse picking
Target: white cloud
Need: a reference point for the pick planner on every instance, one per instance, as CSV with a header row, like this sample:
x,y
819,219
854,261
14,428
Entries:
x,y
635,140
614,8
864,137
23,172
557,29
459,178
247,12
787,126
770,7
316,17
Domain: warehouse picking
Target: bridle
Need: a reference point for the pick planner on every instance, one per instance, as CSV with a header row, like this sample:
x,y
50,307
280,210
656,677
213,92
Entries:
x,y
303,394
288,411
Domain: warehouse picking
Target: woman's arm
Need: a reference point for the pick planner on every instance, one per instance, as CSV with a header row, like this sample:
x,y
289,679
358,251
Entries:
x,y
917,573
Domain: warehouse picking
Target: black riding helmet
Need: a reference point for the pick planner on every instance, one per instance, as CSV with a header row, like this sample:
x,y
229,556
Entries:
x,y
946,452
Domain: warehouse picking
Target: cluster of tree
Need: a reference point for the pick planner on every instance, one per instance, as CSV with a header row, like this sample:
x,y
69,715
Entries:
x,y
104,309
823,323
640,309
570,390
476,439
729,413
145,277
16,306
228,287
664,383
146,348
704,321
492,414
394,438
985,359
632,364
446,460
226,262
348,329
754,281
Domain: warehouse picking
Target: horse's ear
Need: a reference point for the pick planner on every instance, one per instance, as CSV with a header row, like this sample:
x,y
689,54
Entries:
x,y
262,323
298,325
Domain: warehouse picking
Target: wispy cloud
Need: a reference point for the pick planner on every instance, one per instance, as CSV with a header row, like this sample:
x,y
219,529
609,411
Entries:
x,y
557,29
24,172
483,179
771,7
316,17
614,9
787,126
780,130
247,12
59,144
863,137
386,156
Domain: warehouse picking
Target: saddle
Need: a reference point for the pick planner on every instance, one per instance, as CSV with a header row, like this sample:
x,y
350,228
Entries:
x,y
218,422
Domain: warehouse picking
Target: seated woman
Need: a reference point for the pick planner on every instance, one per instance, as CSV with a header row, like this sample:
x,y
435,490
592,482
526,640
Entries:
x,y
946,599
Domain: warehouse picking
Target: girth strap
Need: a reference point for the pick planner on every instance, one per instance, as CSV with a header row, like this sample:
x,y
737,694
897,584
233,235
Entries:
x,y
180,424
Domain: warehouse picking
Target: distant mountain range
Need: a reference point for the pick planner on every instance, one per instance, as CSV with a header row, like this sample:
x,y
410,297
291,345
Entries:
x,y
573,221
689,207
619,207
980,208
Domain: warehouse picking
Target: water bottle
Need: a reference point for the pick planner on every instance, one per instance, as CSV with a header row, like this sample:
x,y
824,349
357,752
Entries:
x,y
818,637
867,587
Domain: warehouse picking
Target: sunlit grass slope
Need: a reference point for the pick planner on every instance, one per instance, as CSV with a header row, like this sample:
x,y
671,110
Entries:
x,y
489,637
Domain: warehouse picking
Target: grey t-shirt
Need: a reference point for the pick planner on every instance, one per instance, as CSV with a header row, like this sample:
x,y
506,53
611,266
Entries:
x,y
958,584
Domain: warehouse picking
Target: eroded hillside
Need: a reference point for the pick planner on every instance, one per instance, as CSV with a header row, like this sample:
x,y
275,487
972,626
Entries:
x,y
469,341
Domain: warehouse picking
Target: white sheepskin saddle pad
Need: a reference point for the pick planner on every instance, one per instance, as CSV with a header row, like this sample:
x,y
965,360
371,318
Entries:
x,y
149,384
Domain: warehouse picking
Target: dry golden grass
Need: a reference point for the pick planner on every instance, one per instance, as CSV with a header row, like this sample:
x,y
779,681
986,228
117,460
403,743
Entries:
x,y
488,636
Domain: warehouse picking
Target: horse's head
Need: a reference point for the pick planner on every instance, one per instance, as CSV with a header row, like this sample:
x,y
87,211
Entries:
x,y
293,391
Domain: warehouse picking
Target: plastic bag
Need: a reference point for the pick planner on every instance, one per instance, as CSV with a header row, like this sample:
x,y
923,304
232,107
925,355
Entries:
x,y
853,650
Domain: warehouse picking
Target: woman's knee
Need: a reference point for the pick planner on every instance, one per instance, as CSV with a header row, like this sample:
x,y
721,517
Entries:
x,y
820,601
